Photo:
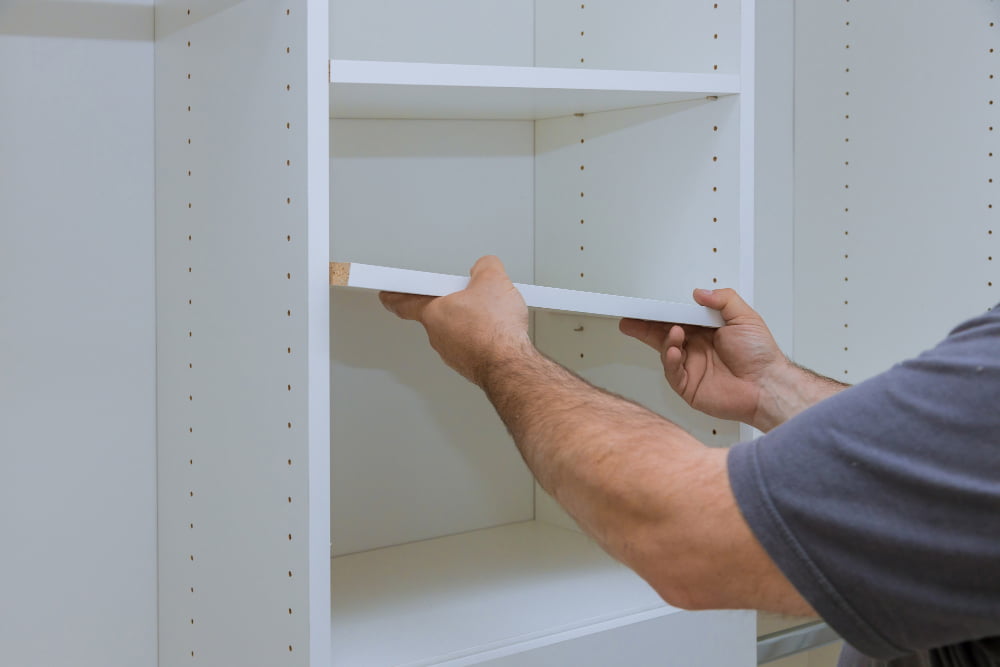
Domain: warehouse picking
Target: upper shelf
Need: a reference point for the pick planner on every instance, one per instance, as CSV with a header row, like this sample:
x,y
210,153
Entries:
x,y
372,89
367,276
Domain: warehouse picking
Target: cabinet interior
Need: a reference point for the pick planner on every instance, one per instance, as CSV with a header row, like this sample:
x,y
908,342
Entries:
x,y
635,201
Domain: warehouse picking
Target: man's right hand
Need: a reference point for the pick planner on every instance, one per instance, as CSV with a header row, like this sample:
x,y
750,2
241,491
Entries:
x,y
736,371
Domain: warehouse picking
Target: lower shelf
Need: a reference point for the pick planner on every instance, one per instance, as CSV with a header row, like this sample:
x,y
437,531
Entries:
x,y
491,593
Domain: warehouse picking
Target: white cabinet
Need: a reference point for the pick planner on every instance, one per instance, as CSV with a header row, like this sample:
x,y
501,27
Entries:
x,y
598,146
453,134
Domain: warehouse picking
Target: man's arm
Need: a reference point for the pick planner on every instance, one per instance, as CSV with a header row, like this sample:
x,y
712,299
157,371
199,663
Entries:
x,y
646,490
734,372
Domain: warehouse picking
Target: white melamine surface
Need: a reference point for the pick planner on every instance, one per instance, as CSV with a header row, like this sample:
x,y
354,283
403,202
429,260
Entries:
x,y
659,35
775,169
432,195
77,335
712,638
243,431
896,188
654,35
453,597
484,32
364,89
642,202
391,279
416,451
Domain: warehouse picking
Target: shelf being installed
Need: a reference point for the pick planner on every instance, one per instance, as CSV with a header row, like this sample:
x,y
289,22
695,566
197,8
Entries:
x,y
498,591
367,276
372,89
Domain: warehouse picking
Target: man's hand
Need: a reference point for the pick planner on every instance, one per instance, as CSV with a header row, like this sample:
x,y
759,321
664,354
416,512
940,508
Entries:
x,y
736,371
475,329
722,372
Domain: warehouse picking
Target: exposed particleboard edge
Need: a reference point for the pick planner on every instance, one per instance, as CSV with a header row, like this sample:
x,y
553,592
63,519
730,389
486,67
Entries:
x,y
340,274
383,278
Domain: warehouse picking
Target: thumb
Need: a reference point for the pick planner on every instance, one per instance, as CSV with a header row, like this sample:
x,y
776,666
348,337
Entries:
x,y
487,269
405,306
729,304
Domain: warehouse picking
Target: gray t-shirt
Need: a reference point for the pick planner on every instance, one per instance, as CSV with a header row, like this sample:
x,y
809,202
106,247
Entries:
x,y
882,505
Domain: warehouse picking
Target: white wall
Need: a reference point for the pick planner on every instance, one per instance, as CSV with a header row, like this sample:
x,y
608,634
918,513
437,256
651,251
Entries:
x,y
77,364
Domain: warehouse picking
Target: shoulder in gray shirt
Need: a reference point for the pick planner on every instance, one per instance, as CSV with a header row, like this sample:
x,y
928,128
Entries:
x,y
882,504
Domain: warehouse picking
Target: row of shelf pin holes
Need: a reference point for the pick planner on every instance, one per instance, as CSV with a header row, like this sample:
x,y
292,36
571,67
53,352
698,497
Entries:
x,y
847,234
580,328
715,36
991,27
715,189
190,238
288,276
989,230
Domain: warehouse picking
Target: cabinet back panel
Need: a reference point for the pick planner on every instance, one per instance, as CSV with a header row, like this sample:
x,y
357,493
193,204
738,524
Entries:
x,y
896,147
677,36
674,36
471,32
417,451
642,202
432,195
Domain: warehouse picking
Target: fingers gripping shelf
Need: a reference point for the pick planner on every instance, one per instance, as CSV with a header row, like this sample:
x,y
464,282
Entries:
x,y
367,276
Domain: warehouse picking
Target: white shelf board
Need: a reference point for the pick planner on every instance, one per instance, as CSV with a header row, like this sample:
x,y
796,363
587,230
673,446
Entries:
x,y
372,89
389,279
498,591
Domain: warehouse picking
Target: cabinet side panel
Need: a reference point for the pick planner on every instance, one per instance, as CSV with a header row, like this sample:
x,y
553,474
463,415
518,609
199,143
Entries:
x,y
318,234
896,149
775,178
236,289
77,338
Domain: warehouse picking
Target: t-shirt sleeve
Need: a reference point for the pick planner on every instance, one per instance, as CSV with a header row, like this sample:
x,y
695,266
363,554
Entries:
x,y
882,504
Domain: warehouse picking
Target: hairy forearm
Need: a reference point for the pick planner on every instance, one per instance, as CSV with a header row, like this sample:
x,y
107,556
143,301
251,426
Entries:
x,y
624,473
648,492
789,390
